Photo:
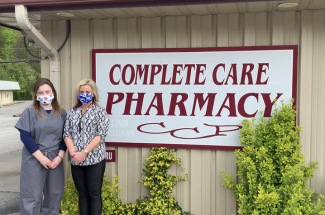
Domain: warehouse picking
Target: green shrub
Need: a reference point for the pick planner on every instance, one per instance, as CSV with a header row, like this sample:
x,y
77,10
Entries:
x,y
69,202
271,168
160,185
111,203
110,199
155,178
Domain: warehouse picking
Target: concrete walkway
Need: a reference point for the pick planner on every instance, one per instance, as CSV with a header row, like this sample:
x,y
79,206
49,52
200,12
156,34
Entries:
x,y
10,158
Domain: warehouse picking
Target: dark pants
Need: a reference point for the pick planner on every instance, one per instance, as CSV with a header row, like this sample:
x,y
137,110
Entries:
x,y
88,181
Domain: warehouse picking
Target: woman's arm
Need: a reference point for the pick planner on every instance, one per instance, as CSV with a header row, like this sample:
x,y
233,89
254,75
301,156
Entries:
x,y
27,140
69,143
58,159
101,131
81,156
46,163
67,134
62,149
31,146
93,144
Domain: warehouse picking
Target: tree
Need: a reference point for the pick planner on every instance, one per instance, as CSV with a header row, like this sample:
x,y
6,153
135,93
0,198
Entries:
x,y
271,168
7,41
12,48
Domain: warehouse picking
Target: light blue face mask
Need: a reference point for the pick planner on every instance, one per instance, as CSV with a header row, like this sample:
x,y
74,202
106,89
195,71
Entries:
x,y
85,98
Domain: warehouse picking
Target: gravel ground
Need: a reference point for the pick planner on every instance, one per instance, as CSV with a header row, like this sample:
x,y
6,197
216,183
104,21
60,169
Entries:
x,y
9,136
8,203
10,158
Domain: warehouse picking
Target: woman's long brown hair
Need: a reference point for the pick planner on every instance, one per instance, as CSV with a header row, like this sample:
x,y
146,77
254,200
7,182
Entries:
x,y
55,103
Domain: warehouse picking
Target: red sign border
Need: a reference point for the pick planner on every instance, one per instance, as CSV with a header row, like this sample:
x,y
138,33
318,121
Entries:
x,y
294,48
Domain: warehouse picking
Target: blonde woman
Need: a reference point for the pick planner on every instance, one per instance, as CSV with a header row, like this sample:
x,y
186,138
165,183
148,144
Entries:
x,y
41,131
84,134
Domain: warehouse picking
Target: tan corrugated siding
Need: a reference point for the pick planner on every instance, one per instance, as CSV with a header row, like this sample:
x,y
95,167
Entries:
x,y
312,93
47,33
318,92
227,26
203,194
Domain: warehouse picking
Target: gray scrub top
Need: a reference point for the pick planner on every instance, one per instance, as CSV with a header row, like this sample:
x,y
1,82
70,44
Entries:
x,y
46,132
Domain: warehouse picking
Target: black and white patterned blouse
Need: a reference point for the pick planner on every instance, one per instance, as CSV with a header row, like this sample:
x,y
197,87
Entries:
x,y
83,128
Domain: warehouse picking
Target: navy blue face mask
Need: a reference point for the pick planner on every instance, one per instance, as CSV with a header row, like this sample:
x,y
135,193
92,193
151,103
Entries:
x,y
85,98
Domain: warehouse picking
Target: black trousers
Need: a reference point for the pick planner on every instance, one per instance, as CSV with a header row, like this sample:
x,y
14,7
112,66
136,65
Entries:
x,y
88,181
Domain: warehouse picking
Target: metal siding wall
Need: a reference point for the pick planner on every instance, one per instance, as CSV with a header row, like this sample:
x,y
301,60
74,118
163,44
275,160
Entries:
x,y
45,64
224,160
312,93
198,179
306,83
106,29
203,193
66,77
318,94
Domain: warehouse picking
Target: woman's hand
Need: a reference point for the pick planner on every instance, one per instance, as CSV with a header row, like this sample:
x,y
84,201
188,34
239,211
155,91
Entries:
x,y
42,159
72,154
55,162
70,146
79,157
45,162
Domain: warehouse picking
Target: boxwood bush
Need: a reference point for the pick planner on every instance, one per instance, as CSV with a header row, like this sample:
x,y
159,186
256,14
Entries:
x,y
271,168
111,203
155,178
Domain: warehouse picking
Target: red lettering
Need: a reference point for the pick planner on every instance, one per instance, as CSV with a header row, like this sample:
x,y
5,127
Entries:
x,y
198,98
214,73
131,75
175,72
139,102
110,101
140,72
159,106
241,105
248,73
231,105
233,69
154,73
259,73
180,104
189,71
163,78
225,131
268,103
111,75
199,70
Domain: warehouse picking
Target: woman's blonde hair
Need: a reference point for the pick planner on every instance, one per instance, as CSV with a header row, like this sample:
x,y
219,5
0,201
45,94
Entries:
x,y
93,86
55,103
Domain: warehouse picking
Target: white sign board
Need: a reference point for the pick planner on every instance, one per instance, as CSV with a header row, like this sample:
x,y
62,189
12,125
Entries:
x,y
190,98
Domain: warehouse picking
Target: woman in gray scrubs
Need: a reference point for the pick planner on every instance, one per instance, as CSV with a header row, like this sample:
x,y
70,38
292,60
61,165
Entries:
x,y
84,132
41,131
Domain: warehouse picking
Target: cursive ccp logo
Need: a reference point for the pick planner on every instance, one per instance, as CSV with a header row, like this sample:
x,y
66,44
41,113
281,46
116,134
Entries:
x,y
220,130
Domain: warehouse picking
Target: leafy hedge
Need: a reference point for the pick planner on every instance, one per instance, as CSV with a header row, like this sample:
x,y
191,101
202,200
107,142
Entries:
x,y
272,170
155,178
